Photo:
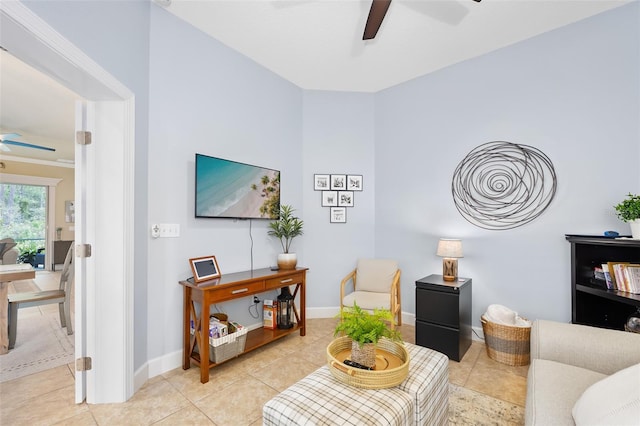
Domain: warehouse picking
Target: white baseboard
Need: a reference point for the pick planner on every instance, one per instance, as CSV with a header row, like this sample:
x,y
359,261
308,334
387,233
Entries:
x,y
478,334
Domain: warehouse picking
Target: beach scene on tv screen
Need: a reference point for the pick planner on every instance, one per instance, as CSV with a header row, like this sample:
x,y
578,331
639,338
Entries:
x,y
229,189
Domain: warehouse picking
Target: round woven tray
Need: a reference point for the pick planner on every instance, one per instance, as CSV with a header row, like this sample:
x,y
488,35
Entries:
x,y
392,364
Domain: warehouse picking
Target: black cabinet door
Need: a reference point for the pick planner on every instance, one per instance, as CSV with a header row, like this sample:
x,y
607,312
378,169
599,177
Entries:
x,y
438,307
439,338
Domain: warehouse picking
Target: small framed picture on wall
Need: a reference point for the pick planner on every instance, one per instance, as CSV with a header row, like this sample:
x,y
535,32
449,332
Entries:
x,y
329,198
345,198
338,182
354,182
338,215
321,182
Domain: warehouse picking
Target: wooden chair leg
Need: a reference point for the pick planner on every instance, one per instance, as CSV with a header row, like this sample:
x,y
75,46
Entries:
x,y
13,324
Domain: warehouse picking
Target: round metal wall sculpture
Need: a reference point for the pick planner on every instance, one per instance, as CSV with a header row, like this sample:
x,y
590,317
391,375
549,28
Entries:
x,y
503,185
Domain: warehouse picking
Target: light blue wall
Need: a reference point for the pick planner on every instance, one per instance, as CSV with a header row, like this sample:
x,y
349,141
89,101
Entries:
x,y
338,138
116,36
208,99
573,94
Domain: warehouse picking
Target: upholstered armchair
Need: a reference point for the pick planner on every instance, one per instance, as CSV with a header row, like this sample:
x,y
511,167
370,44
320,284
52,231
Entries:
x,y
8,251
375,283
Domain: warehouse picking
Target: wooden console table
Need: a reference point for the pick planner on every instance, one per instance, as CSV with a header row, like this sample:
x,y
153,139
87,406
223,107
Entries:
x,y
230,287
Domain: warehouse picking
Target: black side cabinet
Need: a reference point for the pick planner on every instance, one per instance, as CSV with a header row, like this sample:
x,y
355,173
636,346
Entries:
x,y
443,315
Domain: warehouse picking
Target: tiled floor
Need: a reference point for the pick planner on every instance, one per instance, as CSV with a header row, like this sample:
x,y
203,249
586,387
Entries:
x,y
234,395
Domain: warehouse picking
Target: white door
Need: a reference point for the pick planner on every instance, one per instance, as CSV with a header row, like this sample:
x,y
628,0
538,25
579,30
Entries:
x,y
104,281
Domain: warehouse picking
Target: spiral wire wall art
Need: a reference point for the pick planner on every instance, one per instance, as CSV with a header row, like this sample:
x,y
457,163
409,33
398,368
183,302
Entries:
x,y
502,185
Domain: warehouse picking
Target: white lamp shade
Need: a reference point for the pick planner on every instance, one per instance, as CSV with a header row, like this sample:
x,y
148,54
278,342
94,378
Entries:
x,y
449,248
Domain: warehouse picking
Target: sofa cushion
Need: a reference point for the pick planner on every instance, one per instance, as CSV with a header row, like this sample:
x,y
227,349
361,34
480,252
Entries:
x,y
614,400
552,390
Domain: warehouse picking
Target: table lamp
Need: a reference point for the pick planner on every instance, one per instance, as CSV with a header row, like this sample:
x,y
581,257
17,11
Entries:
x,y
450,250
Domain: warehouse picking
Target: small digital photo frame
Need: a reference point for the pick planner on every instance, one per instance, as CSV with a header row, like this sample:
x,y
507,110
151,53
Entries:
x,y
204,268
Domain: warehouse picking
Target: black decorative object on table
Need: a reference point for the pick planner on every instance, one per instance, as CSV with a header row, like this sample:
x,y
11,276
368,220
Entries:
x,y
503,185
284,313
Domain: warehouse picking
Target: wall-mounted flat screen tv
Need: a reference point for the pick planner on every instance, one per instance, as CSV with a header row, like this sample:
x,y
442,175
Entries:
x,y
229,189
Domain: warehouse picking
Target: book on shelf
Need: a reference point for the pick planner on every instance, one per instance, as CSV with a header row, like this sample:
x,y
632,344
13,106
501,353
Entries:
x,y
607,276
625,276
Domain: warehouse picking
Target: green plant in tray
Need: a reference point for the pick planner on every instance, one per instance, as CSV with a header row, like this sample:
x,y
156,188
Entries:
x,y
365,327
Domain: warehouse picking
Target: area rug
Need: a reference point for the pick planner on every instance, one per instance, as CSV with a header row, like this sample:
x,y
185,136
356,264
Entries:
x,y
467,407
41,343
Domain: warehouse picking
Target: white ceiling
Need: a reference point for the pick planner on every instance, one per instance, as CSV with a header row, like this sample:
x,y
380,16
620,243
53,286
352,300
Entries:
x,y
38,108
316,44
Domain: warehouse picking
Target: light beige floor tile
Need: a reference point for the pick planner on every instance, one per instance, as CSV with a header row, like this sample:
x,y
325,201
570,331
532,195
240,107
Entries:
x,y
15,392
315,353
283,374
187,382
49,408
498,383
188,416
238,404
153,402
485,362
83,419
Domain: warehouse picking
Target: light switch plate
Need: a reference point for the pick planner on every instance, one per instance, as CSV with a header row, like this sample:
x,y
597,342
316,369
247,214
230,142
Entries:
x,y
165,230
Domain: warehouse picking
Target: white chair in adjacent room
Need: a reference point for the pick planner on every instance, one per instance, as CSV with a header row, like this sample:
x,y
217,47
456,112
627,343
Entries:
x,y
62,297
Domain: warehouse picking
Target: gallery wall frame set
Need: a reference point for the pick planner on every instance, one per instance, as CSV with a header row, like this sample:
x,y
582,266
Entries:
x,y
337,193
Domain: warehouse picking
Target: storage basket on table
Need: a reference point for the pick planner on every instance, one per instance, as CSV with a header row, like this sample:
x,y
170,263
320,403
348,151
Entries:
x,y
508,344
229,346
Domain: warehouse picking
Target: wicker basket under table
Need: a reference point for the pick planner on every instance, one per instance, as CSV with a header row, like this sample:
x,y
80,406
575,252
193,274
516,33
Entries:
x,y
507,344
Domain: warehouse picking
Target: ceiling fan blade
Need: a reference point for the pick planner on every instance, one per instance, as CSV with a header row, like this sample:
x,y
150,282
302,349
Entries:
x,y
376,16
26,145
9,136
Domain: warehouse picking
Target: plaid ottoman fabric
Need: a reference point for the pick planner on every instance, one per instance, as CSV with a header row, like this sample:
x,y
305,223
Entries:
x,y
428,385
320,399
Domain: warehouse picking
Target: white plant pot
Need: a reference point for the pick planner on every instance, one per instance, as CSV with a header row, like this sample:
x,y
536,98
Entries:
x,y
635,228
287,260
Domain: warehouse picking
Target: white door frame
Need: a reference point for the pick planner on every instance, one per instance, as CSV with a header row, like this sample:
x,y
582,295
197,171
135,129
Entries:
x,y
29,38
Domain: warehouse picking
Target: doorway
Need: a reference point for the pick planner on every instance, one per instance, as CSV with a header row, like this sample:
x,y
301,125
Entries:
x,y
110,118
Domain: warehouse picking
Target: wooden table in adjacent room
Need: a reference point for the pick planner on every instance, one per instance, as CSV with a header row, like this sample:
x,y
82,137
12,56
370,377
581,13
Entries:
x,y
230,287
8,273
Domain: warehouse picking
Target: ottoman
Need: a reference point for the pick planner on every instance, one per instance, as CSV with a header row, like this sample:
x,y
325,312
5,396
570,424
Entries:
x,y
421,399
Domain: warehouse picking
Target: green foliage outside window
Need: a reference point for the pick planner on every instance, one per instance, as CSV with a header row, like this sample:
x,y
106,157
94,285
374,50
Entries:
x,y
23,216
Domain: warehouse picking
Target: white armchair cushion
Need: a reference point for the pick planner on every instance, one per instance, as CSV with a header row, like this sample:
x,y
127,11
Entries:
x,y
368,300
614,400
375,275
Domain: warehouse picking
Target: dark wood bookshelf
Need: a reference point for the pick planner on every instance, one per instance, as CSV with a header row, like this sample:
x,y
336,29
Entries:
x,y
592,304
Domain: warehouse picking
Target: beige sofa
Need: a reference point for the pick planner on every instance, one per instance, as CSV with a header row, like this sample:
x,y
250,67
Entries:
x,y
581,374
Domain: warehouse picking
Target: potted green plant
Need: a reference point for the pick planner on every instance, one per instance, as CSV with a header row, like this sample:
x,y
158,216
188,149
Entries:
x,y
365,330
286,228
628,210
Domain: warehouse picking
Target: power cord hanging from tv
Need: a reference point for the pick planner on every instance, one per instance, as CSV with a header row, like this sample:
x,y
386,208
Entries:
x,y
251,238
